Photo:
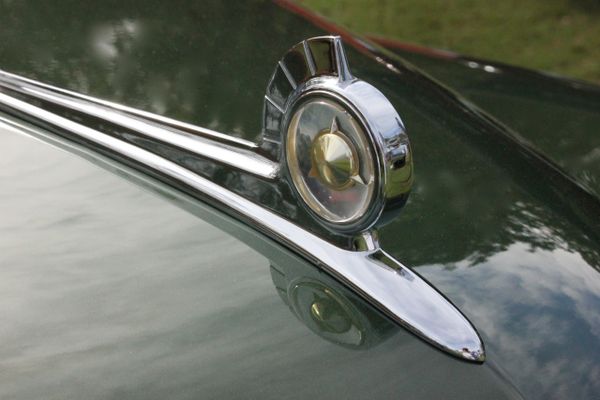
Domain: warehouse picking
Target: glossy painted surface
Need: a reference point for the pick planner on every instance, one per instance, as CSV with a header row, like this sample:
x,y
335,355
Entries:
x,y
508,238
560,116
111,291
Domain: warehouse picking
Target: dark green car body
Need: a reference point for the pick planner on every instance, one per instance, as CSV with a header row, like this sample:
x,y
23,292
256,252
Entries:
x,y
121,285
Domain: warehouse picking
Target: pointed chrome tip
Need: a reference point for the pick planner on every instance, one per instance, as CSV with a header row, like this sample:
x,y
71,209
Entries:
x,y
475,355
468,347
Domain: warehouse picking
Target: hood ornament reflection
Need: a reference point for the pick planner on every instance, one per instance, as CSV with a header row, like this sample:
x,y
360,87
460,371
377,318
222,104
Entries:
x,y
343,144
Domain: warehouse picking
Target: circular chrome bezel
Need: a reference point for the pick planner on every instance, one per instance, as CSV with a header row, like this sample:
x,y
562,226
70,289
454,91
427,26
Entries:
x,y
372,209
299,74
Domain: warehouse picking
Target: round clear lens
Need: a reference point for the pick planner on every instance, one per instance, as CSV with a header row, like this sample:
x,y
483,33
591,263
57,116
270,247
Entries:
x,y
330,160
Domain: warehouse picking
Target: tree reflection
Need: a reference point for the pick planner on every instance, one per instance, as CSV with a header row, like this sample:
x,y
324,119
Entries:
x,y
195,62
471,218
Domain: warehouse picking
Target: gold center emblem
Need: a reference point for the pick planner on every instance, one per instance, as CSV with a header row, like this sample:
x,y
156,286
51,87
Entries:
x,y
334,159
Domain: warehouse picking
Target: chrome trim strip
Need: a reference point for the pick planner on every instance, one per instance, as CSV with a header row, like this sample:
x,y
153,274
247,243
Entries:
x,y
395,289
7,77
242,158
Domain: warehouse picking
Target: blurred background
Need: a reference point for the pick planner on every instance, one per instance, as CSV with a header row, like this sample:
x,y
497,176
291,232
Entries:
x,y
558,36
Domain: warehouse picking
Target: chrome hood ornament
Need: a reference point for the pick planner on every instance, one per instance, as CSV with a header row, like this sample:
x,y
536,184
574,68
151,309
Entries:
x,y
343,144
334,139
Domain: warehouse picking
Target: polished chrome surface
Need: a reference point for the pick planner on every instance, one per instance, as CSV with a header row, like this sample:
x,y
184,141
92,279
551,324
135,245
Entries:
x,y
315,74
234,152
396,290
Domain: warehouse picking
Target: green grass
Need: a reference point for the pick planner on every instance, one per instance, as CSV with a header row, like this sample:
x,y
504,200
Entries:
x,y
561,36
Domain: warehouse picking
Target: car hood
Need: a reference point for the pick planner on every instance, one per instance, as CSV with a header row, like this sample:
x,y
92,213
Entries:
x,y
494,223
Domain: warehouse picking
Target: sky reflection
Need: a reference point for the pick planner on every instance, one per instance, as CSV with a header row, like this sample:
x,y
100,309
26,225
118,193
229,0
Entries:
x,y
537,311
